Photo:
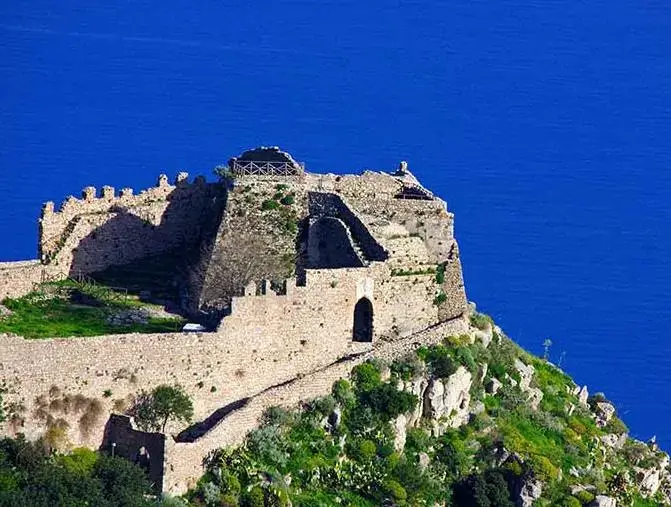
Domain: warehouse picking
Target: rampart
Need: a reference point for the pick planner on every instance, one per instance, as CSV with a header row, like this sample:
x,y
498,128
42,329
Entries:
x,y
394,272
92,233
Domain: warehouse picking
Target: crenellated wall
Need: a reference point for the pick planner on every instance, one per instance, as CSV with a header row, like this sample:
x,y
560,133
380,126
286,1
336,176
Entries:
x,y
92,233
264,340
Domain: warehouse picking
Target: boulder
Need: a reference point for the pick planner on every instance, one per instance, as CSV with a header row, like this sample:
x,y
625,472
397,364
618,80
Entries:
x,y
477,408
526,374
484,335
400,424
482,372
446,402
528,491
418,388
424,460
614,441
603,501
605,411
648,481
569,409
583,395
535,397
493,386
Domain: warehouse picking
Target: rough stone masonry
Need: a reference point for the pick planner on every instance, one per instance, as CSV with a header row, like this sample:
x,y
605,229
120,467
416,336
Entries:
x,y
337,266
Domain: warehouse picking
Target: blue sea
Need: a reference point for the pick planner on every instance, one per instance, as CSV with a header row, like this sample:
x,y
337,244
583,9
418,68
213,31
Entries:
x,y
545,124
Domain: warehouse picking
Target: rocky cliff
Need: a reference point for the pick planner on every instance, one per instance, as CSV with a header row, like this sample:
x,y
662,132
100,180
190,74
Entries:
x,y
474,420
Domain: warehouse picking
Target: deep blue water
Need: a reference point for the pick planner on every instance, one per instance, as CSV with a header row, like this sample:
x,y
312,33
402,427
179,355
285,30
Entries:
x,y
544,124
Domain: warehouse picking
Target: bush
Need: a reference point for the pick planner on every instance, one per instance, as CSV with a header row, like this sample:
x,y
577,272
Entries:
x,y
481,321
269,204
584,496
365,451
615,425
342,392
287,200
388,402
440,274
440,299
417,440
408,368
254,498
392,490
366,376
440,361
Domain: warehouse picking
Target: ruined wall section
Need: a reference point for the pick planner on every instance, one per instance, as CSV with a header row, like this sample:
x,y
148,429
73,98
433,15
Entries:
x,y
18,278
267,339
184,460
259,237
90,234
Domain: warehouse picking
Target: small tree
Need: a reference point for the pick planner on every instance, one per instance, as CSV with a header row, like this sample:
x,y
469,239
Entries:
x,y
153,410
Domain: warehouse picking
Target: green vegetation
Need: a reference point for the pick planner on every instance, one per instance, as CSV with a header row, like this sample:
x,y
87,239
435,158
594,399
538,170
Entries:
x,y
343,448
411,272
152,410
30,475
440,274
440,298
69,308
269,204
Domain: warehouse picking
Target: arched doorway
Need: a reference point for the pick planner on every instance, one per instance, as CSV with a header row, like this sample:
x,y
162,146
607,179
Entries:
x,y
363,321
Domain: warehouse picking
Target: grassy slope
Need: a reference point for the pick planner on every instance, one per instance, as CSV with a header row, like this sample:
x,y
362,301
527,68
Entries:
x,y
49,312
296,455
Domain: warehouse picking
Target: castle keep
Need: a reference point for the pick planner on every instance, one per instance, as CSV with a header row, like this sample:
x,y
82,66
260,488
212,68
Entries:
x,y
296,275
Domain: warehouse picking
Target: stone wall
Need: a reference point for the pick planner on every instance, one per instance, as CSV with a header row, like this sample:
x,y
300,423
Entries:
x,y
92,233
184,460
18,278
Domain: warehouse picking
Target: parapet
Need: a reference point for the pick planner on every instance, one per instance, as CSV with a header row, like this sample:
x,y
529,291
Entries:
x,y
92,202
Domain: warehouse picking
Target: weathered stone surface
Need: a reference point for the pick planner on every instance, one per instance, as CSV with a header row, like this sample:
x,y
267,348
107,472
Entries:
x,y
605,411
424,460
648,481
614,441
477,408
484,335
603,501
583,395
447,401
400,424
535,397
529,490
493,386
526,374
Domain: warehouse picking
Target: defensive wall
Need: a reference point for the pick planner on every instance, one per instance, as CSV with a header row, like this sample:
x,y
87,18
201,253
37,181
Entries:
x,y
371,267
266,339
92,233
184,460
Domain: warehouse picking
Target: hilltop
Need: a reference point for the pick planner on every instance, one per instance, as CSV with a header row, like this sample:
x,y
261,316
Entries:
x,y
163,327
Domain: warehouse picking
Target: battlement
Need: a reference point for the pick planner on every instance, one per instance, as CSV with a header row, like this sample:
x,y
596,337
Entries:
x,y
107,200
101,229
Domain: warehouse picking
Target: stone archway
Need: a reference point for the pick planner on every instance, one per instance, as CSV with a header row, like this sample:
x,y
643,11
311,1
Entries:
x,y
363,321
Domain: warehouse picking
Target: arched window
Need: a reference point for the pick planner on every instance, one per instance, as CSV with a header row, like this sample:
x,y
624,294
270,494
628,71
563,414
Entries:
x,y
363,321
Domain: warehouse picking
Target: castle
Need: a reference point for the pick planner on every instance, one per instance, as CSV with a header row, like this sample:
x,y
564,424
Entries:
x,y
298,275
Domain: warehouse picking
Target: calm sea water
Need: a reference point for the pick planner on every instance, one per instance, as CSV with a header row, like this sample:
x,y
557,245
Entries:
x,y
544,124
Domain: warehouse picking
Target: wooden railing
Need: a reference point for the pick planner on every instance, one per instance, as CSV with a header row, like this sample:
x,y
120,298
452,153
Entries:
x,y
266,168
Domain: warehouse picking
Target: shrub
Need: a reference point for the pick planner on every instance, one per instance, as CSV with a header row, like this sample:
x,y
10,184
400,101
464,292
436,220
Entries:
x,y
408,368
276,416
342,392
153,410
365,451
417,440
440,298
366,376
107,393
287,200
584,496
392,490
481,321
615,425
440,274
388,402
440,361
254,497
269,204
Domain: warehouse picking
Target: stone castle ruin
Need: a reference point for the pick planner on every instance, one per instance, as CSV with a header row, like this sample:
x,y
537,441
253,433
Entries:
x,y
298,276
